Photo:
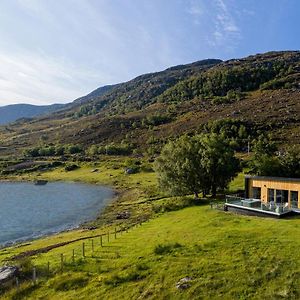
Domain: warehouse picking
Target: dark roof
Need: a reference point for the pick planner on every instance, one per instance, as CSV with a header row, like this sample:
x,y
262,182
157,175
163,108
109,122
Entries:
x,y
273,178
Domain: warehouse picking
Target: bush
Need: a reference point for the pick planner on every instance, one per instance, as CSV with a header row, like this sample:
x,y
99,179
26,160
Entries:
x,y
26,267
131,276
69,282
166,249
73,149
115,149
156,120
71,167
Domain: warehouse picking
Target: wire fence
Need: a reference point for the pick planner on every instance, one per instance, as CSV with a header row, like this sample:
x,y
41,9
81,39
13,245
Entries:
x,y
88,248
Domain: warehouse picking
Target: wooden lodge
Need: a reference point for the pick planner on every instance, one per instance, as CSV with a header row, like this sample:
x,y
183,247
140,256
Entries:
x,y
277,190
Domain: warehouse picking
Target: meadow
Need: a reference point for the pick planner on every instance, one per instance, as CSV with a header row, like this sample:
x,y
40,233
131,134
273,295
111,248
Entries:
x,y
221,255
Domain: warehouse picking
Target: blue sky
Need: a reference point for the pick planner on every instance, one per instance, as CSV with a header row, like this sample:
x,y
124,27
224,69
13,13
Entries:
x,y
57,50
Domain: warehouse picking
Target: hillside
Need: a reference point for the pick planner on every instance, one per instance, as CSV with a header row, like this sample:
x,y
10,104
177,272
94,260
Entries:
x,y
11,113
261,92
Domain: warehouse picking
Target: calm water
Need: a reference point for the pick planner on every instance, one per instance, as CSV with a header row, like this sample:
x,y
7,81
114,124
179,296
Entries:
x,y
28,210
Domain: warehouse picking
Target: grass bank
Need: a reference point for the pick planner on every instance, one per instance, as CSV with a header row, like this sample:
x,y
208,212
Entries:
x,y
226,256
220,255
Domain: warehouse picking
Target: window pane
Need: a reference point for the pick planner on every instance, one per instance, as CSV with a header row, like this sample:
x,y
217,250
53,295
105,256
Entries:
x,y
294,199
256,192
282,196
271,195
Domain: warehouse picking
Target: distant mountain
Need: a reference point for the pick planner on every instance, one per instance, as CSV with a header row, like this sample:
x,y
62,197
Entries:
x,y
11,113
14,112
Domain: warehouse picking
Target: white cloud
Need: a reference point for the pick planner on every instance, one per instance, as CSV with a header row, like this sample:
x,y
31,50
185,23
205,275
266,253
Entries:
x,y
195,8
39,79
55,51
226,32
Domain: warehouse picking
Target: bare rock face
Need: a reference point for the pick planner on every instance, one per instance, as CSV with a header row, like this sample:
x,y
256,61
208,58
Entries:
x,y
8,273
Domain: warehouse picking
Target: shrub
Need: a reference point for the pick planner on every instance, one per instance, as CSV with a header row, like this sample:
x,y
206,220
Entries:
x,y
115,149
71,167
118,279
69,282
161,249
73,149
26,267
156,120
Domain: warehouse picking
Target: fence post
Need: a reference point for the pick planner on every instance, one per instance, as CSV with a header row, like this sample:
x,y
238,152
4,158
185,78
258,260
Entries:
x,y
48,268
92,247
108,236
101,242
61,262
17,283
34,275
115,232
73,256
83,250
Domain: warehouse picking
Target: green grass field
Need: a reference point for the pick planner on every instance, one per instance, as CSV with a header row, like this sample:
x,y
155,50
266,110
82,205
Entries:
x,y
226,256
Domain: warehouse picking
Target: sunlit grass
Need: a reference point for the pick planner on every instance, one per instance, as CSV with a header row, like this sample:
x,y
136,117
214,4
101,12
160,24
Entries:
x,y
227,256
222,253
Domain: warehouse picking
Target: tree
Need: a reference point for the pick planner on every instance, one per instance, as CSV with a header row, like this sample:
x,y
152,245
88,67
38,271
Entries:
x,y
199,164
264,146
264,161
290,162
179,167
219,162
267,162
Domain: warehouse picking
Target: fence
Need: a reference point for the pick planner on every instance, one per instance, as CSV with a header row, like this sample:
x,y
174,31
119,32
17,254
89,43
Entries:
x,y
67,261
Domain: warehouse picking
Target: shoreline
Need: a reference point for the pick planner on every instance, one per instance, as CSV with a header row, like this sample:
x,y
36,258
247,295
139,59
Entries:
x,y
18,243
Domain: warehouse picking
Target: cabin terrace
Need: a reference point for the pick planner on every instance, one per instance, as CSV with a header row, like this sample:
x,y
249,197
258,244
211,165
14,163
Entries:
x,y
267,196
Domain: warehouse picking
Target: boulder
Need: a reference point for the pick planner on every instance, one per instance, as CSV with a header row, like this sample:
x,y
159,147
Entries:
x,y
7,274
184,283
129,171
123,215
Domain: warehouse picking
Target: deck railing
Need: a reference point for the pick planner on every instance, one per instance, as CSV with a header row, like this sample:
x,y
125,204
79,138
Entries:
x,y
257,204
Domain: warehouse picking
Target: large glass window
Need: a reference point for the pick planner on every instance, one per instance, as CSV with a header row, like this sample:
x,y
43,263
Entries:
x,y
282,196
294,199
271,195
256,192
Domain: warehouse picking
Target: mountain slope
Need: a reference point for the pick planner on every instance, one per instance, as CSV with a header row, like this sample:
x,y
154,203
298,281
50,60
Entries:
x,y
92,95
142,90
262,92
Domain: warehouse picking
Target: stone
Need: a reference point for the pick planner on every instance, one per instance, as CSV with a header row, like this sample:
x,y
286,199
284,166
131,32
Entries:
x,y
123,215
184,283
129,171
7,274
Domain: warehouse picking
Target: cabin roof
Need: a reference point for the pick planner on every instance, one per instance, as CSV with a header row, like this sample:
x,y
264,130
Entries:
x,y
266,178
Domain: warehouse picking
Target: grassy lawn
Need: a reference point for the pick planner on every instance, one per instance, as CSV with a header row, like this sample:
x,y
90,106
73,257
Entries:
x,y
227,256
